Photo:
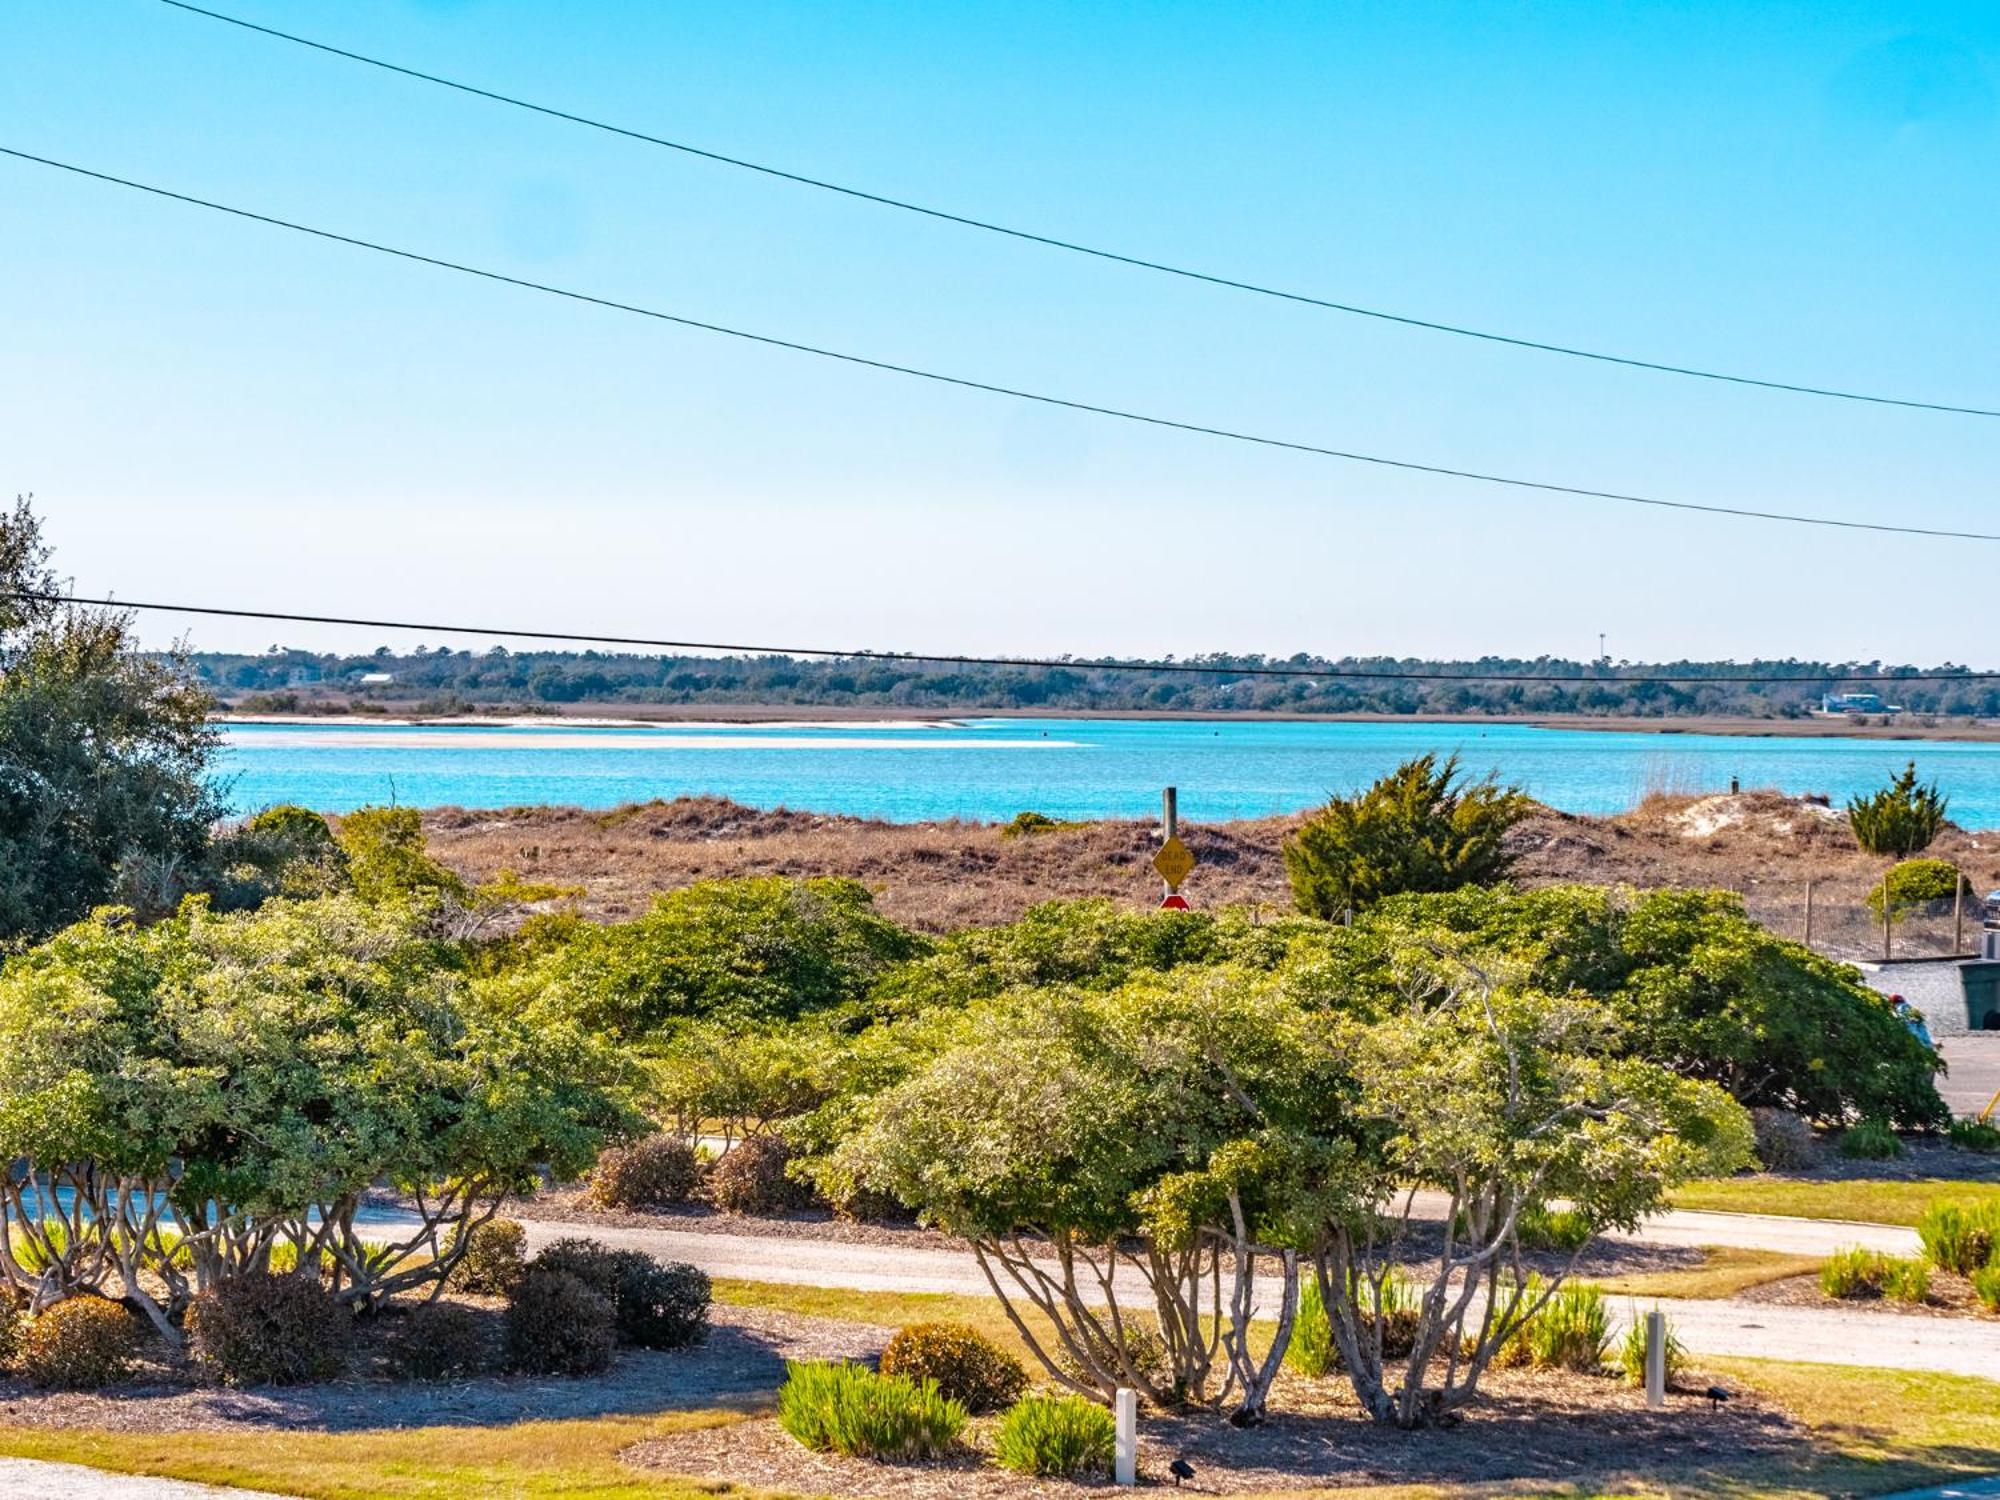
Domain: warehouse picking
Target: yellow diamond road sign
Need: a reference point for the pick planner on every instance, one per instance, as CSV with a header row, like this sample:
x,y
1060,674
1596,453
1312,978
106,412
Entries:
x,y
1173,861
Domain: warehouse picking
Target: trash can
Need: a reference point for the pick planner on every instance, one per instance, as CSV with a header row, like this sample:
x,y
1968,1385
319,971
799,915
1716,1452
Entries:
x,y
1982,995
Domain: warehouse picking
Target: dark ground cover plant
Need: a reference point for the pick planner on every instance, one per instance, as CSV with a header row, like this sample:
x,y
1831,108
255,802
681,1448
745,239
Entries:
x,y
80,1344
557,1324
960,1361
270,1330
441,1341
655,1304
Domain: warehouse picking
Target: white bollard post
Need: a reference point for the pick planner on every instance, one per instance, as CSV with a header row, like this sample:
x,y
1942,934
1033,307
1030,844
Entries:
x,y
1126,1469
1656,1360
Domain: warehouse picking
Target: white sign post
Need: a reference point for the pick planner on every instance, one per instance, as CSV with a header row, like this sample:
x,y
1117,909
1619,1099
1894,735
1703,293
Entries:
x,y
1656,1359
1126,1467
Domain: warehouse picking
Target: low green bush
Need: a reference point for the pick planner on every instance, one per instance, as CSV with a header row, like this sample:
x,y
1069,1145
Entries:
x,y
1059,1436
80,1344
657,1171
1986,1286
1314,1353
495,1258
658,1305
960,1361
1858,1275
1311,1351
441,1341
1960,1237
750,1178
269,1330
1560,1229
1871,1140
1975,1135
844,1408
1918,883
558,1325
1906,1279
1632,1352
1571,1331
1026,824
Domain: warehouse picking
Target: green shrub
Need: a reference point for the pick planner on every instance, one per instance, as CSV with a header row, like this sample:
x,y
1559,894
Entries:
x,y
660,1306
441,1341
960,1361
591,1262
1062,1436
658,1171
1986,1286
1561,1229
1785,1140
1960,1237
1311,1351
1918,883
1572,1331
1026,824
557,1325
1854,1274
852,1410
269,1330
1900,818
80,1344
1632,1353
1975,1135
1419,828
1871,1140
495,1258
1906,1279
751,1178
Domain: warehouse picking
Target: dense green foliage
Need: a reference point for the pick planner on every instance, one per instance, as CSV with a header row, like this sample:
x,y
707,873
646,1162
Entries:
x,y
1420,828
1056,1435
1870,1140
1571,1331
850,1409
105,751
1960,1237
1900,818
959,1360
742,950
1917,883
443,680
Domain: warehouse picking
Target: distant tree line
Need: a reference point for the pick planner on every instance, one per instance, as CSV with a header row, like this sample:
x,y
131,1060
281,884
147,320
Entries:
x,y
444,679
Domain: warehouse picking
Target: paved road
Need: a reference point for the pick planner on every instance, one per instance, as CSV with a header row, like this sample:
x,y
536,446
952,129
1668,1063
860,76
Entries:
x,y
1817,1335
1974,1076
33,1479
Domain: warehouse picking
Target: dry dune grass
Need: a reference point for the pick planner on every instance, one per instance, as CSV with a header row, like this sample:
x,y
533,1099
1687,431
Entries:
x,y
937,876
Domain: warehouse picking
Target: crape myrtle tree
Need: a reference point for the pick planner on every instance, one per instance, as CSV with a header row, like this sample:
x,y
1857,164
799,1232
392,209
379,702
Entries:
x,y
1163,1139
187,1100
104,751
1504,1100
1422,827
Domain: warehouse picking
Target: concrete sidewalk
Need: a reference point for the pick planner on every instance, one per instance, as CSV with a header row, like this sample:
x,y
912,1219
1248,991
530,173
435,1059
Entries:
x,y
35,1479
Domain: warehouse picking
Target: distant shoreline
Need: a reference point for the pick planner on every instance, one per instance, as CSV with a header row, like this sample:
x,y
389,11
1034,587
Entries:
x,y
645,716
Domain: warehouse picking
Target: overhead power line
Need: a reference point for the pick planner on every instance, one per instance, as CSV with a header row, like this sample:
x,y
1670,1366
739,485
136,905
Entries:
x,y
934,658
1054,242
1013,392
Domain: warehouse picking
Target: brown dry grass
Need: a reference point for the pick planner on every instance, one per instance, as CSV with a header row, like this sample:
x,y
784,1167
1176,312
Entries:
x,y
938,876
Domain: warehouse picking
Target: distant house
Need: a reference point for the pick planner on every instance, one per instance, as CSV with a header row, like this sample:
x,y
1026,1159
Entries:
x,y
1856,703
375,679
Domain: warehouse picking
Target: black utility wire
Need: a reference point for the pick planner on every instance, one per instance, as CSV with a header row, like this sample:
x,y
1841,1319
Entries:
x,y
965,383
734,648
1055,243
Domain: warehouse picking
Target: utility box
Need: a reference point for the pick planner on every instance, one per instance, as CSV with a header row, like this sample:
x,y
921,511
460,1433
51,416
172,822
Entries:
x,y
1981,979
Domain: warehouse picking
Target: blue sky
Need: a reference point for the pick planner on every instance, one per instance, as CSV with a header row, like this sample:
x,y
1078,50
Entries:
x,y
209,410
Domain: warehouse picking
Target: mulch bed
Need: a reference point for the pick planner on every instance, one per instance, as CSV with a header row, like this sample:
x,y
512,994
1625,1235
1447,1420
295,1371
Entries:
x,y
1528,1427
1951,1296
742,1362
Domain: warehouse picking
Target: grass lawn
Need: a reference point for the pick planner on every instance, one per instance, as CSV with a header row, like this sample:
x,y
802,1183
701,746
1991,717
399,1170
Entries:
x,y
1724,1272
1871,1200
1877,1431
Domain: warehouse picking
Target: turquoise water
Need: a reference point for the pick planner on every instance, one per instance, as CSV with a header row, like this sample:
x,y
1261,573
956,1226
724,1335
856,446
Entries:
x,y
990,769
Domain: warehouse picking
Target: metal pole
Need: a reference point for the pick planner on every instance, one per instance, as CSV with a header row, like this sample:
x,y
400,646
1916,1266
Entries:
x,y
1125,1467
1957,911
1809,896
1886,953
1170,822
1656,1359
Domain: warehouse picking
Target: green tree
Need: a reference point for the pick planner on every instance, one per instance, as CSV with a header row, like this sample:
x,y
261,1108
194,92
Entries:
x,y
1420,828
1899,819
104,750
